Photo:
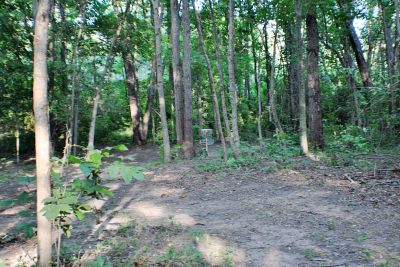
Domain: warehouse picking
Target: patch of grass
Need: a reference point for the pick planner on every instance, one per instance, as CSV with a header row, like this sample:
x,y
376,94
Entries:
x,y
331,224
366,253
310,254
361,238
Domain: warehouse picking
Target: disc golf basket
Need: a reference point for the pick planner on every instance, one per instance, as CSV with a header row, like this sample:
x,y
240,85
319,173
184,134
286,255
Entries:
x,y
206,138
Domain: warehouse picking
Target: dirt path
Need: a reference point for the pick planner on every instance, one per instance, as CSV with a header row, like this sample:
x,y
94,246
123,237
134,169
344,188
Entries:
x,y
303,216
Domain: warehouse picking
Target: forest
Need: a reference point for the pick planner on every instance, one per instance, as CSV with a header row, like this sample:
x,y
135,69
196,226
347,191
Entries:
x,y
200,133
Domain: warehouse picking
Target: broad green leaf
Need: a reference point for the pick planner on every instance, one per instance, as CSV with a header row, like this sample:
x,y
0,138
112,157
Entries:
x,y
6,202
64,208
85,168
113,170
74,160
95,157
24,213
51,211
68,200
126,173
79,214
120,147
139,175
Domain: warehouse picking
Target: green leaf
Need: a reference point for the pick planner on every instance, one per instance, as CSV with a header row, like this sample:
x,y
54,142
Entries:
x,y
79,214
95,157
65,208
114,169
85,168
26,179
51,211
68,200
120,148
74,160
139,175
6,202
24,197
24,213
126,173
26,228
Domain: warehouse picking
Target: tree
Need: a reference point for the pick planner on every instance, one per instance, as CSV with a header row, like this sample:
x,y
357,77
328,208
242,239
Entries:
x,y
232,82
188,148
314,93
176,73
300,80
211,81
42,129
157,18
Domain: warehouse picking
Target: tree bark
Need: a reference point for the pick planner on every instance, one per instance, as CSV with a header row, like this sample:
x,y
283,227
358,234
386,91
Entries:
x,y
211,81
188,147
232,83
300,80
144,125
274,113
76,71
134,105
108,65
176,72
357,47
389,59
258,89
314,92
220,73
160,87
42,129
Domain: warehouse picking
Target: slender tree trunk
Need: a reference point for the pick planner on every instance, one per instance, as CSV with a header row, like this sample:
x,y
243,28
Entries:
x,y
292,75
109,62
63,58
211,81
247,66
268,65
76,71
176,72
42,129
188,147
314,92
274,113
232,84
17,138
357,47
200,107
300,80
220,73
258,89
389,59
160,87
144,125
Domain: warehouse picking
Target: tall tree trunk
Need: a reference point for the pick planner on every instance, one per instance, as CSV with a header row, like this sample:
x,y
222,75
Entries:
x,y
389,59
232,82
108,65
211,81
268,65
144,125
76,71
314,92
356,45
160,87
274,113
247,66
220,73
42,129
300,80
176,72
292,75
257,81
134,105
188,147
63,58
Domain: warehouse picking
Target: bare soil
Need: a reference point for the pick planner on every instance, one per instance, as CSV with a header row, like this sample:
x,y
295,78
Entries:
x,y
307,214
